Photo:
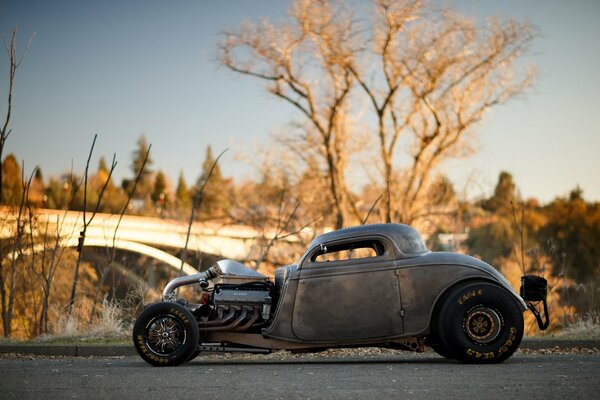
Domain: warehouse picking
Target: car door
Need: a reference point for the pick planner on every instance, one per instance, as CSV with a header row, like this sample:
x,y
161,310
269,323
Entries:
x,y
348,290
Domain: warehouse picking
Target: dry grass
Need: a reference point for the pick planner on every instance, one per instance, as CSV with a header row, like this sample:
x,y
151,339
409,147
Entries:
x,y
112,322
585,327
108,326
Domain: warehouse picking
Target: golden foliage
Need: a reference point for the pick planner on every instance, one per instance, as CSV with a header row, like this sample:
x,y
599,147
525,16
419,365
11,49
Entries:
x,y
559,312
28,290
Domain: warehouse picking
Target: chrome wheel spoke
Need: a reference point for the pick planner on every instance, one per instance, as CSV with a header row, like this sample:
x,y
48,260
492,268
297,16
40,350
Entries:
x,y
165,335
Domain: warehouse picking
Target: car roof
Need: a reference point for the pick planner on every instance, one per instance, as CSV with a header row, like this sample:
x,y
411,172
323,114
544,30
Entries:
x,y
400,234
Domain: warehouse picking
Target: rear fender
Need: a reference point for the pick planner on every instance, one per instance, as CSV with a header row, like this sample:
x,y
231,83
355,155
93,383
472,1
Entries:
x,y
450,288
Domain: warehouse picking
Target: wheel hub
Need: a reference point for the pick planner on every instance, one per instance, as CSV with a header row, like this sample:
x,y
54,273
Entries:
x,y
482,324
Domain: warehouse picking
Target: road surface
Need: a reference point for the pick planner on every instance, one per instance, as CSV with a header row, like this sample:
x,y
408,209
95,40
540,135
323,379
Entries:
x,y
398,376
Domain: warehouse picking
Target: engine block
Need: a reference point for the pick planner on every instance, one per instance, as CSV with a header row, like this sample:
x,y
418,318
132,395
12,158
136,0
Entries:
x,y
225,298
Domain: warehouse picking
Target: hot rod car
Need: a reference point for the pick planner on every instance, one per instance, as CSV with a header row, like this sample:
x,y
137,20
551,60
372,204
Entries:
x,y
374,285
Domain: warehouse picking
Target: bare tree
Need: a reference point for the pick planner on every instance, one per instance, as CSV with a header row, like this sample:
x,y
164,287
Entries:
x,y
9,277
287,223
14,61
303,63
429,75
47,272
195,205
52,253
112,251
443,73
87,222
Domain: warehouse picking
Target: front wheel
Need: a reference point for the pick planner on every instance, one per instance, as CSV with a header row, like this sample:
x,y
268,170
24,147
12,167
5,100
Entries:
x,y
193,355
480,323
165,334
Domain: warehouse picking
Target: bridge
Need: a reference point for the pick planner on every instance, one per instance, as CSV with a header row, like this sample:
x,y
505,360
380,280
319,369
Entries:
x,y
145,235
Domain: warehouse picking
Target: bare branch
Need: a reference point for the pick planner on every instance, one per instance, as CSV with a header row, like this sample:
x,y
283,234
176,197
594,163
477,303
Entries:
x,y
86,222
428,75
14,62
366,218
195,205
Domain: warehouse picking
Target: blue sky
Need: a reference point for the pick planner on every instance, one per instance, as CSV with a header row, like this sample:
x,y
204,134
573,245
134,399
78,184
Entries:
x,y
123,68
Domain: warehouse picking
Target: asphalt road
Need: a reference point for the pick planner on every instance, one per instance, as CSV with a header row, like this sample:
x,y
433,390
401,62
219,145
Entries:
x,y
405,375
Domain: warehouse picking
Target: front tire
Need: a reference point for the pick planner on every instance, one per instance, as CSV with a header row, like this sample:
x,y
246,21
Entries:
x,y
194,354
165,334
480,323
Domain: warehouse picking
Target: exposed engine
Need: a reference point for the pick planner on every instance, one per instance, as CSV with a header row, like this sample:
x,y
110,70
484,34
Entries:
x,y
251,297
234,297
233,307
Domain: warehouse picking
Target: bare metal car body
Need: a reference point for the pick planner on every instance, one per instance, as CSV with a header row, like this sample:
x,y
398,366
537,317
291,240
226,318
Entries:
x,y
395,293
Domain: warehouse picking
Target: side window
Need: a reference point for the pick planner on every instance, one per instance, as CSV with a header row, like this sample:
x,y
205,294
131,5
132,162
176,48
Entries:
x,y
349,251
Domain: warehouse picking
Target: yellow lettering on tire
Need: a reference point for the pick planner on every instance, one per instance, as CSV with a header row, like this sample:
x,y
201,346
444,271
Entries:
x,y
469,295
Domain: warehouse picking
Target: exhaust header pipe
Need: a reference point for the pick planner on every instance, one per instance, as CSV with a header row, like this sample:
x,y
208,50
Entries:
x,y
168,292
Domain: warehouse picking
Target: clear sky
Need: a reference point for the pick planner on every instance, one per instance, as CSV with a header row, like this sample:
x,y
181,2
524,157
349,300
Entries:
x,y
123,68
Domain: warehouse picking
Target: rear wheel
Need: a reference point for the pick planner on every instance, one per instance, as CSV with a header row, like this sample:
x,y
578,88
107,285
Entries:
x,y
165,334
480,323
441,350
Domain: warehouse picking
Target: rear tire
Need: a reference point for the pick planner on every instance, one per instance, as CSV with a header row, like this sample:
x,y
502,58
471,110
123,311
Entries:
x,y
441,350
165,334
480,323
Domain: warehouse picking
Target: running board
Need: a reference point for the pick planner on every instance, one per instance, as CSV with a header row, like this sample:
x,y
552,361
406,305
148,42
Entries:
x,y
229,349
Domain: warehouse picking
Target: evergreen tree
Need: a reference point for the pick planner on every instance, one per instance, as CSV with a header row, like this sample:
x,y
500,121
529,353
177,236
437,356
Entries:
x,y
114,197
37,191
183,197
38,174
159,194
144,186
102,166
101,175
504,194
215,196
12,181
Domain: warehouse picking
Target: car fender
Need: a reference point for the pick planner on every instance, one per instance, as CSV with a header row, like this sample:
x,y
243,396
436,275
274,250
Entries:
x,y
424,281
